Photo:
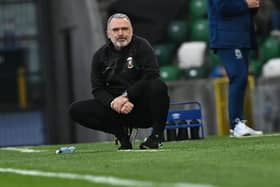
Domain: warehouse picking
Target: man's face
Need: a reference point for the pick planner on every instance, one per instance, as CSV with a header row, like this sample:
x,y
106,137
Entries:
x,y
120,32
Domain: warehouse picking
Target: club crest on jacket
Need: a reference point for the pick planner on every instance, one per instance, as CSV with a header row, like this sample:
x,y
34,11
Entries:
x,y
238,54
130,62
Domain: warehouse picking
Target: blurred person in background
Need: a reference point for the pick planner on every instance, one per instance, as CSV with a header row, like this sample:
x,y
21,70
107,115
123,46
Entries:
x,y
264,17
126,87
277,4
232,35
275,30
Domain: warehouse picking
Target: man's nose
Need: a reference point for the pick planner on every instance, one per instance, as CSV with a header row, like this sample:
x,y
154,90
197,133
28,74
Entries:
x,y
120,32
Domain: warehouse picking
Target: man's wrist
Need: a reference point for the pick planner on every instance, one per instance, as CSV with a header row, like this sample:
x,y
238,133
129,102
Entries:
x,y
124,94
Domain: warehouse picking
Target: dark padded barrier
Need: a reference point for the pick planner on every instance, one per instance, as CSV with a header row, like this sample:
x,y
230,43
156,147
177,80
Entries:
x,y
150,18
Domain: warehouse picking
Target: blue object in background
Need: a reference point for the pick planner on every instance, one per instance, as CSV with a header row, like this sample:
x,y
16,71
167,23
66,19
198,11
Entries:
x,y
218,71
275,21
21,128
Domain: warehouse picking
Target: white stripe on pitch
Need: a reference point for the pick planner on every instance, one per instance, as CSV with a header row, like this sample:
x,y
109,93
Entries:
x,y
143,150
98,179
23,149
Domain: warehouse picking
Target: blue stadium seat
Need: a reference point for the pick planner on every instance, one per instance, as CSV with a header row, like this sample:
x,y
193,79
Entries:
x,y
186,115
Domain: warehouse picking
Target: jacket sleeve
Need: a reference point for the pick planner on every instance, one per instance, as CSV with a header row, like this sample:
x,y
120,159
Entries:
x,y
231,7
98,83
150,69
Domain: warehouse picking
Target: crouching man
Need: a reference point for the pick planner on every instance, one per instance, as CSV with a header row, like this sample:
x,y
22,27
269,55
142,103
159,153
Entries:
x,y
126,87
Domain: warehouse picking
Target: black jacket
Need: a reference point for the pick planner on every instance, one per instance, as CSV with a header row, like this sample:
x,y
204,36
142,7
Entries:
x,y
114,72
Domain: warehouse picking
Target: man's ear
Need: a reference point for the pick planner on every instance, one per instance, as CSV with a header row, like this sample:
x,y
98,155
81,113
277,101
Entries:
x,y
108,34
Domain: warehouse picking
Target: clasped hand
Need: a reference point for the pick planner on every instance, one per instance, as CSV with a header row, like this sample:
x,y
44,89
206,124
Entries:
x,y
122,105
253,3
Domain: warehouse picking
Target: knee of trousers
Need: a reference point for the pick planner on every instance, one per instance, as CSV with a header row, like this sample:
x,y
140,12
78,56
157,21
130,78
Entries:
x,y
158,87
75,112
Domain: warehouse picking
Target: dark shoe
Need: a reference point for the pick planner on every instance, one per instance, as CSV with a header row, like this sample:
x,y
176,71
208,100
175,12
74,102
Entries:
x,y
125,143
152,142
131,133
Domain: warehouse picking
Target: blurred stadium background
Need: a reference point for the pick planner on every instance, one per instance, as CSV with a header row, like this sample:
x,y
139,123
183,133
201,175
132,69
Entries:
x,y
46,48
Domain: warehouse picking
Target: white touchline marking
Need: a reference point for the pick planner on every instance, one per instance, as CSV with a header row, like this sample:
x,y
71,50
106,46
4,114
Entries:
x,y
143,150
259,136
23,150
274,134
99,179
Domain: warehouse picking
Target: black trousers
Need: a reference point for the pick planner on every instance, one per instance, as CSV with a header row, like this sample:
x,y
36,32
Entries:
x,y
150,110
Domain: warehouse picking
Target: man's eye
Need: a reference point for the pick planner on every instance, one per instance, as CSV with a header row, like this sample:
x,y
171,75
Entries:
x,y
118,29
115,30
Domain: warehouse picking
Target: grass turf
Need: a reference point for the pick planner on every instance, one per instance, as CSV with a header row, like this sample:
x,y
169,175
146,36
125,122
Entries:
x,y
217,161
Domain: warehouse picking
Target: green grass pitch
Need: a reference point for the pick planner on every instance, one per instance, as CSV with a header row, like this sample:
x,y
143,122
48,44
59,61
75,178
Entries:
x,y
214,161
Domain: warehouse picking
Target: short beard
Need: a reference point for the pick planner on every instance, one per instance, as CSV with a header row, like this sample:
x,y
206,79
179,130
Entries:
x,y
122,44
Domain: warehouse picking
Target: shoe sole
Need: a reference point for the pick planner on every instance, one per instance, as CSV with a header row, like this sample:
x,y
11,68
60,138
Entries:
x,y
245,135
147,147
